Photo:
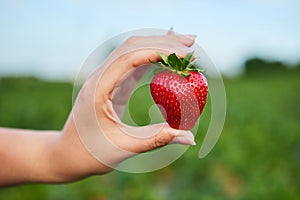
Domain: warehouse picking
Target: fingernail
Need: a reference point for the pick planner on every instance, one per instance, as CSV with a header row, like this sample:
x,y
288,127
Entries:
x,y
183,137
194,143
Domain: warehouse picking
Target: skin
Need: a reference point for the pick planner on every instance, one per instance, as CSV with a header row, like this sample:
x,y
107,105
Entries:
x,y
33,156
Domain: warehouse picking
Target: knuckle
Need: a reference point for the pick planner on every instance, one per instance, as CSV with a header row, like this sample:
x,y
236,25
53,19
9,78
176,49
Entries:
x,y
162,139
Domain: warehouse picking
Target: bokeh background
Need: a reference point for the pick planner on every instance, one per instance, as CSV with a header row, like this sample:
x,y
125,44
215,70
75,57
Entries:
x,y
256,46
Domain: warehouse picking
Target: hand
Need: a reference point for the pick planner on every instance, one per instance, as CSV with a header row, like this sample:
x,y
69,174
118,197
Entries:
x,y
94,140
95,113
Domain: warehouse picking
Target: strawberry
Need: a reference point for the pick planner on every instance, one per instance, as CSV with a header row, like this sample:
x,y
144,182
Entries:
x,y
180,90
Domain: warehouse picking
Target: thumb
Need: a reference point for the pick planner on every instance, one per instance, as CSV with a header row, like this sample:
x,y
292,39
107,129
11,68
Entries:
x,y
184,137
147,138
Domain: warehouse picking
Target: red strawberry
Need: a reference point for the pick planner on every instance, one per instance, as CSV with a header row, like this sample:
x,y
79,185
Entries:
x,y
180,91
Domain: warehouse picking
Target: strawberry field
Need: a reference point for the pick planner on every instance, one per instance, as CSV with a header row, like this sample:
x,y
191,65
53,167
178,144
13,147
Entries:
x,y
256,157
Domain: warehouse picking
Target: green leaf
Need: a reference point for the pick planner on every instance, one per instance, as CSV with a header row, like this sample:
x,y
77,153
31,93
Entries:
x,y
187,59
175,62
189,56
194,69
192,64
185,74
164,57
179,65
160,64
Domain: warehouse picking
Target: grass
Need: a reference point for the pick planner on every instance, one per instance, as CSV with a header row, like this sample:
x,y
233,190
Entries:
x,y
256,157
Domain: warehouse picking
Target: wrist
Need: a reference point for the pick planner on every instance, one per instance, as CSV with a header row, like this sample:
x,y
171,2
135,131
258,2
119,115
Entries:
x,y
71,159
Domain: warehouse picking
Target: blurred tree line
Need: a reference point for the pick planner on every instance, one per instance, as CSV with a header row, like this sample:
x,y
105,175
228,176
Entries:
x,y
256,66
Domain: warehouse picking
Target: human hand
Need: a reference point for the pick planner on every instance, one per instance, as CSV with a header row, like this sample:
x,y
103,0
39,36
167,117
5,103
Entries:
x,y
94,119
94,140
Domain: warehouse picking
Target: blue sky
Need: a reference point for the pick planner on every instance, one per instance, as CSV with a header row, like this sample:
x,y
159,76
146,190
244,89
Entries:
x,y
52,39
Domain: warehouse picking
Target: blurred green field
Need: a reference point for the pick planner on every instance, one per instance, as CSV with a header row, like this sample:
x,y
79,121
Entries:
x,y
256,157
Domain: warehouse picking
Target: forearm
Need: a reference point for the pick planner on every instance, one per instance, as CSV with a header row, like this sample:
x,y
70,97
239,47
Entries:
x,y
28,156
24,154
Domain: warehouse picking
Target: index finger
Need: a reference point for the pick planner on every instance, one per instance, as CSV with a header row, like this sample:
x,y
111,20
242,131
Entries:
x,y
138,51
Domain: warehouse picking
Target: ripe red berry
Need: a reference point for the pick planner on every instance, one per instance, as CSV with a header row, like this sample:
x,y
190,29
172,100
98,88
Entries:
x,y
180,91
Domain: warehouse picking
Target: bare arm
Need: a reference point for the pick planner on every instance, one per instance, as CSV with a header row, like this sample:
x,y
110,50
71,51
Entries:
x,y
24,155
32,156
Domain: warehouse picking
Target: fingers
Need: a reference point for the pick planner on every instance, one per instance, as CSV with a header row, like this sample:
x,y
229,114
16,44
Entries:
x,y
146,138
168,136
137,51
184,137
187,40
171,31
172,136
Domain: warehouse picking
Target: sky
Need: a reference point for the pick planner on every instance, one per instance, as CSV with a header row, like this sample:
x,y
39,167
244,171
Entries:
x,y
52,39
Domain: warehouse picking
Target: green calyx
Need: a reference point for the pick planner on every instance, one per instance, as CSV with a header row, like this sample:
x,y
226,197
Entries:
x,y
178,65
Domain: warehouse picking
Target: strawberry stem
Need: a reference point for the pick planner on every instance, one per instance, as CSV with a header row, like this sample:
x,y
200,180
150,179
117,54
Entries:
x,y
178,65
